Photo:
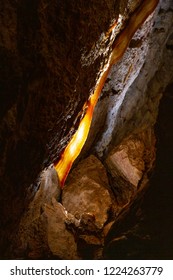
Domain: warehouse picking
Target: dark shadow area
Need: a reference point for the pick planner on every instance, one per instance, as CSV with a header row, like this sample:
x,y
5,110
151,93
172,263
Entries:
x,y
145,230
159,199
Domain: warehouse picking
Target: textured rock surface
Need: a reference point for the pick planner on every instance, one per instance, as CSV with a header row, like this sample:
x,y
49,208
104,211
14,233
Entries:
x,y
49,229
44,83
134,156
87,191
32,236
48,188
42,232
61,242
49,66
44,235
134,87
121,161
144,230
129,162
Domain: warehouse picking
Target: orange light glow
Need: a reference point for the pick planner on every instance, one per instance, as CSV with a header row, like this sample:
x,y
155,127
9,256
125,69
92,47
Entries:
x,y
75,145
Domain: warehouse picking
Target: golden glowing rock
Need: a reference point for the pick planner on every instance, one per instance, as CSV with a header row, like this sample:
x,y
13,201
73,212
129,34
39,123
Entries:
x,y
74,147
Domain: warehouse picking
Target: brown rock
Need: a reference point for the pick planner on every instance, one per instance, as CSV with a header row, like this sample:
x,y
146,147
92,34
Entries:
x,y
91,239
107,228
49,188
130,162
120,160
46,235
61,242
34,226
45,78
86,192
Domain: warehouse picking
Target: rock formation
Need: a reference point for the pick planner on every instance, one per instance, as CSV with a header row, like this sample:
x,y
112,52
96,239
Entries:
x,y
52,55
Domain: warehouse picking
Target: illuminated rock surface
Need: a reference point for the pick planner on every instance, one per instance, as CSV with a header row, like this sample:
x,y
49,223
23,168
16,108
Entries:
x,y
49,66
133,90
130,163
60,241
87,191
44,83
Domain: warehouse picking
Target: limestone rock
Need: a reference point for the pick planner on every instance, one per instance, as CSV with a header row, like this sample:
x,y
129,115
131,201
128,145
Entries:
x,y
44,83
47,236
49,188
49,184
86,192
33,226
144,230
33,240
51,59
120,160
131,95
61,241
130,162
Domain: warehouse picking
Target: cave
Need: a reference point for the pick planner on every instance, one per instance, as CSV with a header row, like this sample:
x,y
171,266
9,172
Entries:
x,y
86,131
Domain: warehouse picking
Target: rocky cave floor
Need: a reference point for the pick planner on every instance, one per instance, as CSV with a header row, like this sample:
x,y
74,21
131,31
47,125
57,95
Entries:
x,y
109,210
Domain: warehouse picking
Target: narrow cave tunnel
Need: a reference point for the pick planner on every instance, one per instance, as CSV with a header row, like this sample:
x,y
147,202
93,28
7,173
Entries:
x,y
86,129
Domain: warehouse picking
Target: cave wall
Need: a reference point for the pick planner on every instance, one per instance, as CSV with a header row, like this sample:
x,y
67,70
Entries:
x,y
131,95
48,69
144,230
51,56
43,82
